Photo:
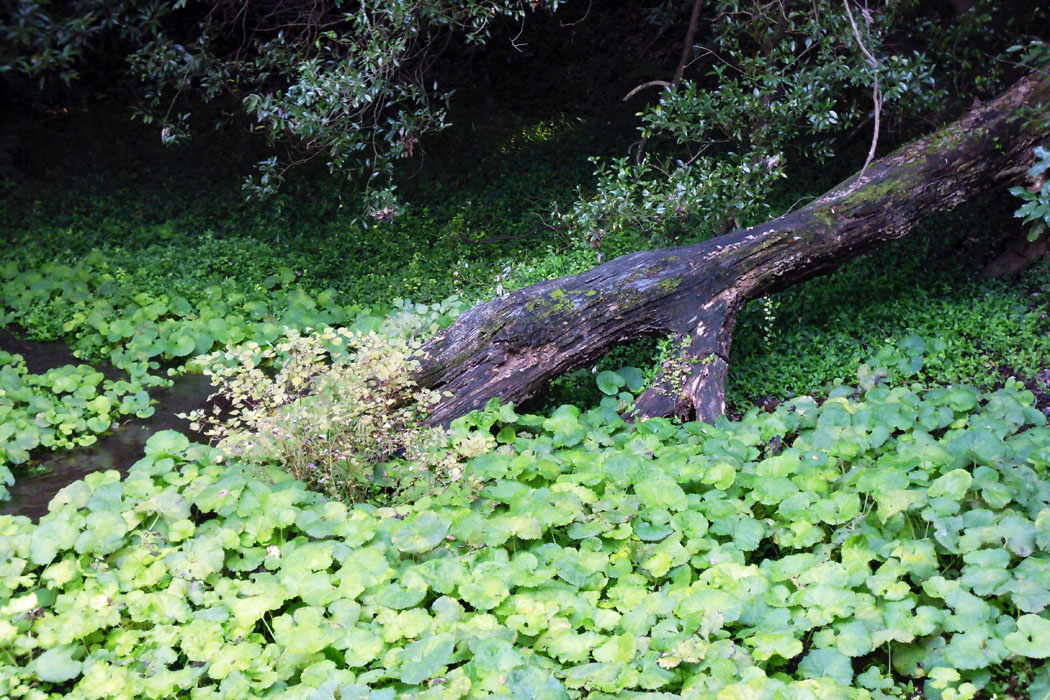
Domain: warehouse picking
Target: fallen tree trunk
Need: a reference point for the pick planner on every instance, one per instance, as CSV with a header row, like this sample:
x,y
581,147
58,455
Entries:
x,y
512,347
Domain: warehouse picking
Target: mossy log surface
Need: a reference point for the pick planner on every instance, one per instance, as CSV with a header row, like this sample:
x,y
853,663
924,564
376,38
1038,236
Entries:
x,y
514,346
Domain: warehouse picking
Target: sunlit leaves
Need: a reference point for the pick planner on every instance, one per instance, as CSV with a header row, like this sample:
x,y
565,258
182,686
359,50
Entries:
x,y
63,407
646,564
1032,637
137,333
419,532
827,663
57,665
425,658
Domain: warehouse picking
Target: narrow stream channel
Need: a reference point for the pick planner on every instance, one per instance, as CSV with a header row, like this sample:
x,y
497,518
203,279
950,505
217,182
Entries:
x,y
123,446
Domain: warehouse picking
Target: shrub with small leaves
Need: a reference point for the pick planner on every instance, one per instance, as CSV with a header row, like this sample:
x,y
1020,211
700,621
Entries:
x,y
337,409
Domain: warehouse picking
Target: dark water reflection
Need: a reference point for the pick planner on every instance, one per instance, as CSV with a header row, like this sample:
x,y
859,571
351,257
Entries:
x,y
40,356
34,488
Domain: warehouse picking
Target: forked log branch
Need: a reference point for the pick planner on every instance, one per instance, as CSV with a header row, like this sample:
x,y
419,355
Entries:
x,y
514,346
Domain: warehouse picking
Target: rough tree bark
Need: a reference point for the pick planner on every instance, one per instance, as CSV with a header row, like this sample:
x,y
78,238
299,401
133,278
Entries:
x,y
512,347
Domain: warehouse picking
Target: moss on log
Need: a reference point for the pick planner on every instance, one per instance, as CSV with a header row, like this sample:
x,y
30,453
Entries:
x,y
514,346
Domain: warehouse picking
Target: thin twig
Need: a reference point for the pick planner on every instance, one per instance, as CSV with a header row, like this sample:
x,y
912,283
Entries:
x,y
643,86
514,42
876,95
856,33
585,14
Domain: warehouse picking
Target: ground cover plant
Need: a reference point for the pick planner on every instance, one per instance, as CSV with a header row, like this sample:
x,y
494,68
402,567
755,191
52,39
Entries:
x,y
991,328
750,117
148,337
886,539
883,540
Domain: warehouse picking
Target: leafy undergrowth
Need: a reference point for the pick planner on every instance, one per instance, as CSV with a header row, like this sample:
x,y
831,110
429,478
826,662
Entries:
x,y
150,210
148,336
146,257
874,544
928,284
153,318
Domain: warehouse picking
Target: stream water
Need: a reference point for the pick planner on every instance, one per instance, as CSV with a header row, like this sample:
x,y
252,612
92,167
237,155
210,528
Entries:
x,y
119,449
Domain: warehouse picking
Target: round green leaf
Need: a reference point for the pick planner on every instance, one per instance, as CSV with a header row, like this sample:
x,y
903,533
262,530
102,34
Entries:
x,y
1032,638
827,663
169,442
610,382
49,538
633,377
57,665
183,345
419,532
426,658
954,484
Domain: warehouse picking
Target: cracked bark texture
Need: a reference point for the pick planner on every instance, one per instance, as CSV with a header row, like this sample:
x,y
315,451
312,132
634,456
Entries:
x,y
513,347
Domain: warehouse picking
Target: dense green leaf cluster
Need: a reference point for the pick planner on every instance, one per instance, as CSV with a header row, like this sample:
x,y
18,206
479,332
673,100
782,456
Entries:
x,y
146,232
764,87
336,409
976,330
834,550
144,208
138,331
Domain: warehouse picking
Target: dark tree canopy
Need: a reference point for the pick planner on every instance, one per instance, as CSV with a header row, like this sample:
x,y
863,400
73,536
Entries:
x,y
726,86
